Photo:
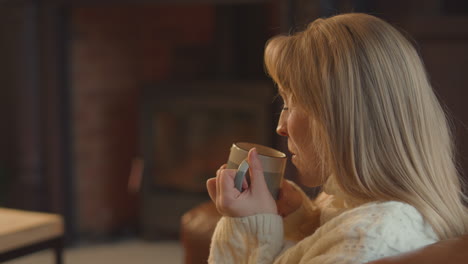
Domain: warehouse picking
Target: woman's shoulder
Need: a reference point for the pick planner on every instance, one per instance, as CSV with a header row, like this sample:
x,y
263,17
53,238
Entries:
x,y
388,211
397,224
367,232
388,214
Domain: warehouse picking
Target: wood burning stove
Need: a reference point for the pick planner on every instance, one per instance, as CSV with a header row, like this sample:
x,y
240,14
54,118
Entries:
x,y
187,130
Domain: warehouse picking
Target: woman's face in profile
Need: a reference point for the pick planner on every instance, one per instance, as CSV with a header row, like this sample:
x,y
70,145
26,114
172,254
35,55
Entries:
x,y
294,123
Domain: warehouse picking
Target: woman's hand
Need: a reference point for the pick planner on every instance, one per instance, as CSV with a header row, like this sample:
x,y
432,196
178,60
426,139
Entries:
x,y
255,199
289,199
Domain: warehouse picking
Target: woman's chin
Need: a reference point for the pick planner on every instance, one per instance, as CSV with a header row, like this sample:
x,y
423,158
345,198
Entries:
x,y
294,160
305,176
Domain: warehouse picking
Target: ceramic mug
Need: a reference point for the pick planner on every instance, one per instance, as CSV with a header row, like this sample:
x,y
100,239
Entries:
x,y
273,162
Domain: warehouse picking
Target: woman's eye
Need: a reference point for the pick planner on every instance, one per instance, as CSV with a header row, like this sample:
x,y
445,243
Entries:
x,y
285,108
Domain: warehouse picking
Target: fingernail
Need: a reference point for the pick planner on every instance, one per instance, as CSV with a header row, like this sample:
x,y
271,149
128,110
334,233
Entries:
x,y
254,152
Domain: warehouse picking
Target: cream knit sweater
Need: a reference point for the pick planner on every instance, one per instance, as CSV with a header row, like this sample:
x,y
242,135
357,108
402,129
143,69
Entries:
x,y
344,235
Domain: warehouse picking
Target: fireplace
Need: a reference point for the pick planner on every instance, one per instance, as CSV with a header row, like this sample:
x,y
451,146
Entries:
x,y
87,65
187,131
177,67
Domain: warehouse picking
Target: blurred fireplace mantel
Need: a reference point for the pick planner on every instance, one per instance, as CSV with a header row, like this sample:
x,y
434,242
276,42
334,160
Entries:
x,y
117,2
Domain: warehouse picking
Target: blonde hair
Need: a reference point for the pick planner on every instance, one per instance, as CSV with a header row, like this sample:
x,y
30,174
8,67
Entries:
x,y
384,134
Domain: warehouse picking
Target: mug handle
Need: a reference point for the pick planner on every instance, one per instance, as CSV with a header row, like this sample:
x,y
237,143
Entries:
x,y
240,175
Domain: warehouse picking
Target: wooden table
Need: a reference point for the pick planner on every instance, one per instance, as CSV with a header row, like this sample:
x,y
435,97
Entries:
x,y
25,232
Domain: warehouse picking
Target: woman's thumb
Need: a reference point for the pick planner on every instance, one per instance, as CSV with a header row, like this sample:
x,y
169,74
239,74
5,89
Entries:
x,y
255,169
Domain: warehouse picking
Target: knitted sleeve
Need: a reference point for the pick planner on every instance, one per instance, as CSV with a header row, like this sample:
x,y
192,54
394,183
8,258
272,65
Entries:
x,y
260,238
251,239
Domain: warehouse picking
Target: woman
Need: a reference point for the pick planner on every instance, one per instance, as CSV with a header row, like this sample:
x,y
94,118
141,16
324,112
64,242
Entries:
x,y
362,121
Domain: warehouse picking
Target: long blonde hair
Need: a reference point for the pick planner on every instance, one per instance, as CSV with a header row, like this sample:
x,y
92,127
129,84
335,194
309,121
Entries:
x,y
385,135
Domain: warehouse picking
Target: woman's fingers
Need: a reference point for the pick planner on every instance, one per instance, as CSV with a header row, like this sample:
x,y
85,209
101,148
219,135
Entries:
x,y
231,202
257,178
212,184
217,184
211,187
286,188
227,188
289,199
227,201
245,184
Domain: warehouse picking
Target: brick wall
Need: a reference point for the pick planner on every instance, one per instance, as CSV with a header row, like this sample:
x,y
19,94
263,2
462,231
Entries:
x,y
116,50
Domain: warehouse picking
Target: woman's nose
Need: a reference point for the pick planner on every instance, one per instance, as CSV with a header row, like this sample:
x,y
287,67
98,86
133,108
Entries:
x,y
281,129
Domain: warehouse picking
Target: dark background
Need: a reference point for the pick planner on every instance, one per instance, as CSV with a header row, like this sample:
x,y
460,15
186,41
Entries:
x,y
74,102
